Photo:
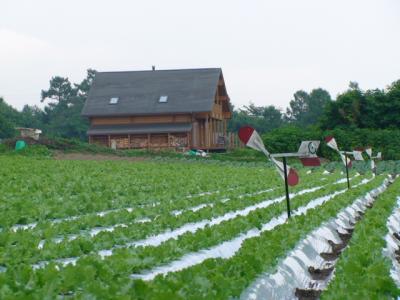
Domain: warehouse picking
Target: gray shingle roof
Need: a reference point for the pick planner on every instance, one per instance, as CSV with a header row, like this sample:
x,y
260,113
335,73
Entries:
x,y
139,128
191,90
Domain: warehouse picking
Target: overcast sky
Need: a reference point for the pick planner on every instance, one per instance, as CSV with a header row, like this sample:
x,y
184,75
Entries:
x,y
267,49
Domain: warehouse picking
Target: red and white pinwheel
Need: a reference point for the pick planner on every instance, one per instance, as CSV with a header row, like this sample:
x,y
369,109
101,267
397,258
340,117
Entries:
x,y
368,150
331,142
252,139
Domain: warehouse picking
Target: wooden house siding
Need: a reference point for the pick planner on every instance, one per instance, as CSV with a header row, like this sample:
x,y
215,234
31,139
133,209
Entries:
x,y
194,127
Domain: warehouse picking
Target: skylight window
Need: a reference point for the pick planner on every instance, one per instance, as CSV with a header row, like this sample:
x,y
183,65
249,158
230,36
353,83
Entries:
x,y
163,99
114,100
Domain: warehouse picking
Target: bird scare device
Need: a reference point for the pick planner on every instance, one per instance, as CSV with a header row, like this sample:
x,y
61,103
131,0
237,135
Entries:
x,y
307,154
331,143
378,156
358,155
251,138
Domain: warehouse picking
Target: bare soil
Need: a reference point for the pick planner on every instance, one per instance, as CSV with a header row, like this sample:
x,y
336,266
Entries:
x,y
320,274
308,294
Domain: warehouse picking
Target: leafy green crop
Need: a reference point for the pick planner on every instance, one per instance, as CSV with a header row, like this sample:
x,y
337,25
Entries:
x,y
363,271
57,204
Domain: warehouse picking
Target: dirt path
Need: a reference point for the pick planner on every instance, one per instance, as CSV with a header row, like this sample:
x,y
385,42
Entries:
x,y
58,155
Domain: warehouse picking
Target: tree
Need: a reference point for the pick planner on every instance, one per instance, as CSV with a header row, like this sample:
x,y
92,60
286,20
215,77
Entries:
x,y
306,109
32,117
262,118
60,92
364,109
389,108
356,109
298,107
84,87
8,120
62,114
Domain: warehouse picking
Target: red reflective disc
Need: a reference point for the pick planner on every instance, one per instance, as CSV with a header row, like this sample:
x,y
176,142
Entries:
x,y
328,138
349,164
293,178
245,133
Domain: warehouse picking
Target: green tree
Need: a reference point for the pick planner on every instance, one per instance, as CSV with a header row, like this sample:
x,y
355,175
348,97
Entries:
x,y
32,116
64,103
9,118
262,118
389,108
364,109
346,111
306,109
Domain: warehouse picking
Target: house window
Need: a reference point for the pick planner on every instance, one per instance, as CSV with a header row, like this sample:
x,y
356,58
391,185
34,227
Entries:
x,y
114,100
163,99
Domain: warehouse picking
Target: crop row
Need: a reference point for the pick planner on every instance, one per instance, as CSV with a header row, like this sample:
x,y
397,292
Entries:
x,y
22,246
215,277
306,270
228,277
234,233
221,228
32,192
363,271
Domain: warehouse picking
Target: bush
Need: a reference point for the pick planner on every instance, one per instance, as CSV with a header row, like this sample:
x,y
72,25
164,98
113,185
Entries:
x,y
33,151
3,148
288,139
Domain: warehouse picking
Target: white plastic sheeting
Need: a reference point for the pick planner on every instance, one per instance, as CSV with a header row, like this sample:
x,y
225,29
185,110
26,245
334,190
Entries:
x,y
293,271
393,242
190,227
193,227
96,230
211,204
17,227
156,240
103,213
229,248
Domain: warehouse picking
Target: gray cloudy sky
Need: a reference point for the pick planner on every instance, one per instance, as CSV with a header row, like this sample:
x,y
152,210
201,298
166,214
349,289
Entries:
x,y
267,49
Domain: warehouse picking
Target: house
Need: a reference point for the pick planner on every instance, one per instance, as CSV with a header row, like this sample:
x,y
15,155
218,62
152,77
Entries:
x,y
159,109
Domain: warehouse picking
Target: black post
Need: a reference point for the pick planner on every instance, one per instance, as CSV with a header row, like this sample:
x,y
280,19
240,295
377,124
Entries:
x,y
286,187
347,171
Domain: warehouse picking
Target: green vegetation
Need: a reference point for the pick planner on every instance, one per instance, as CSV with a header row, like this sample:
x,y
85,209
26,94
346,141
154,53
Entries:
x,y
140,215
61,115
288,139
362,271
227,278
356,118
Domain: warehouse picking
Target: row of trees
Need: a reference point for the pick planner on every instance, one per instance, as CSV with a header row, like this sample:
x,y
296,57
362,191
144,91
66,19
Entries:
x,y
354,108
316,111
61,115
305,109
364,109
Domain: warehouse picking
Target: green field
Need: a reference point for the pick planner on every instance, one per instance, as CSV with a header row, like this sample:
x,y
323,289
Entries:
x,y
168,229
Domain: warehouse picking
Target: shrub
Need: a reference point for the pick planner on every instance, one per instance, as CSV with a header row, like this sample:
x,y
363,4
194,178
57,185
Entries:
x,y
288,139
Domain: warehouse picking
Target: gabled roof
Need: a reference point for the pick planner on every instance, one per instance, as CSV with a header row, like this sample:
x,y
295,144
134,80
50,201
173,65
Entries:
x,y
138,92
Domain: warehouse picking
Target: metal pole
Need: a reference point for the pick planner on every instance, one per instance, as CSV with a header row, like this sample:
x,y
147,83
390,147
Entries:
x,y
286,187
347,171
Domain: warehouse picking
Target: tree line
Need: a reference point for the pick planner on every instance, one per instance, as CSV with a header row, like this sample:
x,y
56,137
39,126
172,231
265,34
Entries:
x,y
367,113
61,115
352,109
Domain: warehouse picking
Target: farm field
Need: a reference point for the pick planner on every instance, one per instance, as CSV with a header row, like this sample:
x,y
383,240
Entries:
x,y
193,230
